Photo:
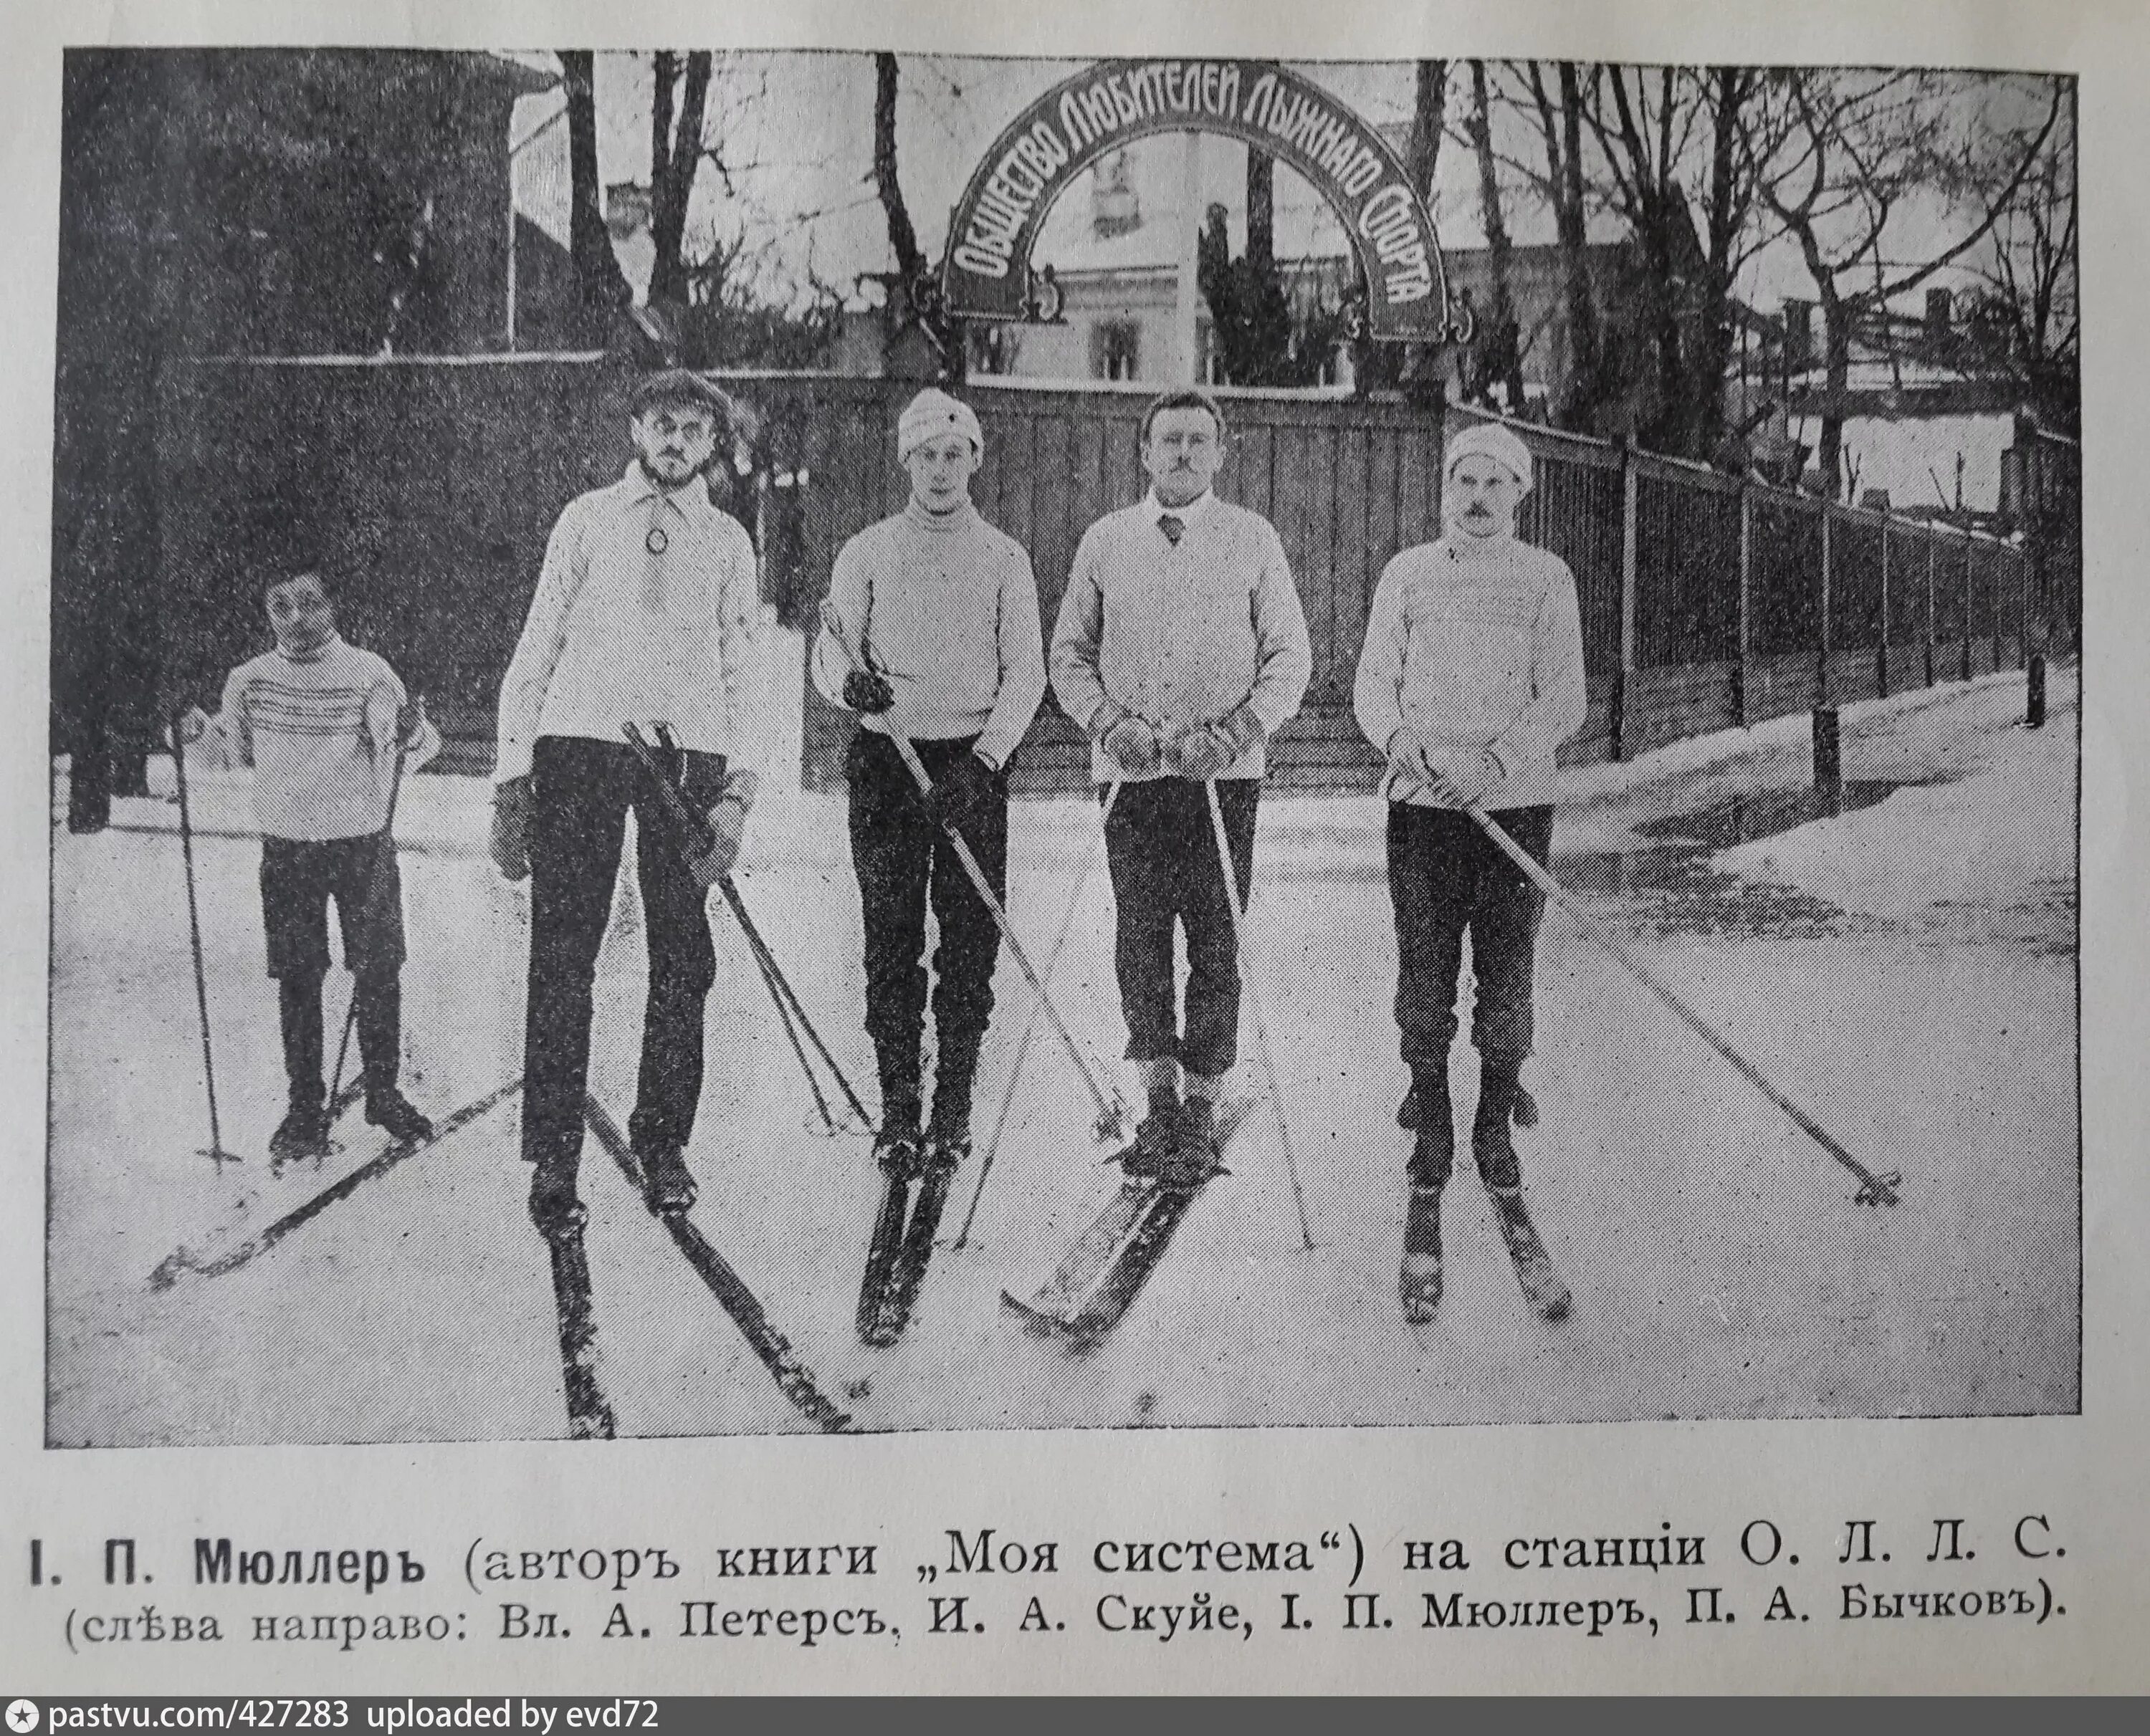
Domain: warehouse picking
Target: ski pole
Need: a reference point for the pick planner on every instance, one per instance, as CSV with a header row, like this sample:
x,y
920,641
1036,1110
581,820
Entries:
x,y
1029,1024
692,826
1254,994
1873,1190
1111,1112
216,1151
382,854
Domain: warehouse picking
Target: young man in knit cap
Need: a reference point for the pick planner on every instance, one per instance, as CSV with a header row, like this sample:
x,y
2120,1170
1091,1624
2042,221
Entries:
x,y
645,611
943,609
1471,676
320,723
1181,647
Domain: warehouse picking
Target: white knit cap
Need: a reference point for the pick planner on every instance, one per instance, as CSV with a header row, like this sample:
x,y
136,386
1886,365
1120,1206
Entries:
x,y
933,412
1492,440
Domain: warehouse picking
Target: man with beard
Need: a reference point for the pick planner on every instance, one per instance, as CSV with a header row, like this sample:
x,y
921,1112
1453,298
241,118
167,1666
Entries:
x,y
1471,676
645,611
1181,647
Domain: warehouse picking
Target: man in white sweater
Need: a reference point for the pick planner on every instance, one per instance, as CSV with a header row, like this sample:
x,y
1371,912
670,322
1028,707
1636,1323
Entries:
x,y
645,611
943,608
1471,676
1181,647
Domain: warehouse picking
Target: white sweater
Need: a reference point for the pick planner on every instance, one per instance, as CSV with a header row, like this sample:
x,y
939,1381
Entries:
x,y
946,610
1479,644
645,611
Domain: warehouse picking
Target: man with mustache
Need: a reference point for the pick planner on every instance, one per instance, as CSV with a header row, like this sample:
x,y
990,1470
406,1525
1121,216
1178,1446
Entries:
x,y
1471,676
645,611
1181,647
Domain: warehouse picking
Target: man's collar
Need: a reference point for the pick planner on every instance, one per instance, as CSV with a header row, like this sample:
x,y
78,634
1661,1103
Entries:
x,y
642,486
1154,509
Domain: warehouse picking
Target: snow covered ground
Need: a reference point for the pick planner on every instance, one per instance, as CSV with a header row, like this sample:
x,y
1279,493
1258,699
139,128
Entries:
x,y
1904,970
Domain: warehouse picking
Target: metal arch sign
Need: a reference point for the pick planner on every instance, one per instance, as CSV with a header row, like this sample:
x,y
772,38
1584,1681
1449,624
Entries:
x,y
986,274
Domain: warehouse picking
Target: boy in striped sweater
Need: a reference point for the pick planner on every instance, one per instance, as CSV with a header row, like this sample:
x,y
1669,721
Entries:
x,y
321,722
944,609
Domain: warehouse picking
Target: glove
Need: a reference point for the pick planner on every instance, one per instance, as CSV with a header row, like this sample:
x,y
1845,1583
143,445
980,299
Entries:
x,y
1128,742
727,832
511,827
711,787
963,792
1454,770
192,727
1202,753
866,691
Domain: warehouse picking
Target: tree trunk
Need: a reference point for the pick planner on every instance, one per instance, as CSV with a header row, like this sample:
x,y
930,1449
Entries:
x,y
1384,365
675,154
1584,390
1836,380
902,238
1261,211
1501,342
604,285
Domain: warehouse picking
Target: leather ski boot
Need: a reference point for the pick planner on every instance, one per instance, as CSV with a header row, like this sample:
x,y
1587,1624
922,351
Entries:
x,y
1419,1282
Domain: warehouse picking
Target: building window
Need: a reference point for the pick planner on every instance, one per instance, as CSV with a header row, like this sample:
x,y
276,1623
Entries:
x,y
1115,349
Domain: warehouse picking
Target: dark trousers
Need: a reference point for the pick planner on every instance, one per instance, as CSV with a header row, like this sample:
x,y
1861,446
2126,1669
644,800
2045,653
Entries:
x,y
298,880
904,863
582,792
1445,877
1161,850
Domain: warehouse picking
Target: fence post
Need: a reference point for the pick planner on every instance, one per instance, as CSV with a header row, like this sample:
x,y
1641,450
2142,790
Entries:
x,y
1929,540
1625,680
1881,650
1968,635
1821,663
1746,595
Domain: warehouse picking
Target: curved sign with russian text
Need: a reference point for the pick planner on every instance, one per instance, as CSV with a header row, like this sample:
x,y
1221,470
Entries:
x,y
986,274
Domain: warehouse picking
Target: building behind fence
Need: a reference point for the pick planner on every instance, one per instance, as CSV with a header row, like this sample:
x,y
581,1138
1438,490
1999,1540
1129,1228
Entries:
x,y
427,490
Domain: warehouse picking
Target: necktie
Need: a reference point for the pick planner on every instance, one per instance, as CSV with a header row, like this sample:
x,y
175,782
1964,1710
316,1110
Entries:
x,y
1173,528
656,539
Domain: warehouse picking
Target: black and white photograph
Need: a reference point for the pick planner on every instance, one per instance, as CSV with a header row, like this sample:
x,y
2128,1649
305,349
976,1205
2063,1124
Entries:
x,y
752,741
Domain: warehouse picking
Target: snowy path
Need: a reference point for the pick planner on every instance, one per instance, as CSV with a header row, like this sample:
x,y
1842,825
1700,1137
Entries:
x,y
1905,972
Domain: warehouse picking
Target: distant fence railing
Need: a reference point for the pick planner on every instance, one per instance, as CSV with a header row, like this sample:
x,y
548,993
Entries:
x,y
429,491
1709,601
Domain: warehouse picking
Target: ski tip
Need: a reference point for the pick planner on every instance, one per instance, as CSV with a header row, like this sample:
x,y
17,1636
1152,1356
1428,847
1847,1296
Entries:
x,y
1034,1320
167,1270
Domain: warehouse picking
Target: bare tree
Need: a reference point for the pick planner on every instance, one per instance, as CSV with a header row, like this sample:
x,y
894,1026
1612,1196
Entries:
x,y
902,237
1842,160
604,285
675,154
1385,364
1587,390
1657,131
1499,359
2026,322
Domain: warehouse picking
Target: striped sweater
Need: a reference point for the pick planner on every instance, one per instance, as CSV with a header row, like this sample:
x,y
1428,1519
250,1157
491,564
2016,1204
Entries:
x,y
320,732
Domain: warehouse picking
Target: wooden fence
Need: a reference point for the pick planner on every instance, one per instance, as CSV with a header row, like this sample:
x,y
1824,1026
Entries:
x,y
429,488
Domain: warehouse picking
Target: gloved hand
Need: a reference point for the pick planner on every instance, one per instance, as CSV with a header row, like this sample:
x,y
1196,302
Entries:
x,y
1453,770
866,691
1129,741
713,788
965,791
511,827
727,833
192,727
1202,753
